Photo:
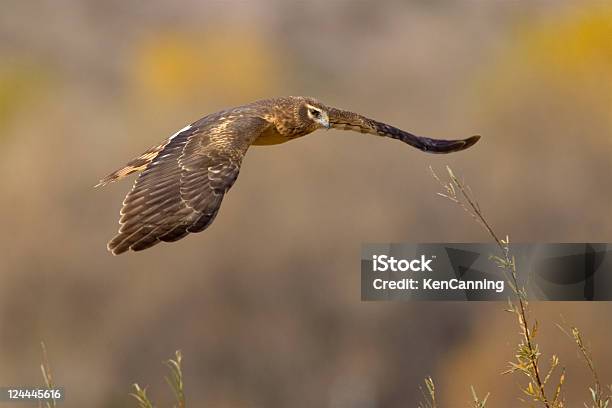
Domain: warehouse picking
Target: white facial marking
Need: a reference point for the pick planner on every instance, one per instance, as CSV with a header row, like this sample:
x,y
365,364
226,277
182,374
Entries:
x,y
317,115
314,113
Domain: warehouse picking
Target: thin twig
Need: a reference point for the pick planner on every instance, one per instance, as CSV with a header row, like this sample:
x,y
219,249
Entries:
x,y
530,354
45,368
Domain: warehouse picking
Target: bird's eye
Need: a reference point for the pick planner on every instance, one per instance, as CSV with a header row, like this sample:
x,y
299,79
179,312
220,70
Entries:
x,y
315,113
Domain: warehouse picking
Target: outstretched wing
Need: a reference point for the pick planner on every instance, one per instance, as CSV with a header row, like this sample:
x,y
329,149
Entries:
x,y
345,120
182,187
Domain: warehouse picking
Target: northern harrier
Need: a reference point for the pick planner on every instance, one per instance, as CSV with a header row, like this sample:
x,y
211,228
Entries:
x,y
184,179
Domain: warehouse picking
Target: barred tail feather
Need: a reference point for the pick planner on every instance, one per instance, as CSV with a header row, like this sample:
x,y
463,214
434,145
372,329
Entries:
x,y
135,165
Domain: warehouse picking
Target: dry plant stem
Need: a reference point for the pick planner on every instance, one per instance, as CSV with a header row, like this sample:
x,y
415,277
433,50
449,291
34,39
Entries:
x,y
508,263
175,381
597,393
140,394
477,402
587,356
430,395
45,368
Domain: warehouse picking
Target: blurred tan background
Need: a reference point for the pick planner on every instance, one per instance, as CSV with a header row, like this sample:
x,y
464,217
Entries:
x,y
265,304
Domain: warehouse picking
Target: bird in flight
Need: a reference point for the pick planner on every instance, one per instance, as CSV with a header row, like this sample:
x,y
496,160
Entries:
x,y
184,179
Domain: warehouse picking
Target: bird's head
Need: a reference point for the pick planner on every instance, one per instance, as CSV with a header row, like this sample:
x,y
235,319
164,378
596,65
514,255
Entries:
x,y
315,114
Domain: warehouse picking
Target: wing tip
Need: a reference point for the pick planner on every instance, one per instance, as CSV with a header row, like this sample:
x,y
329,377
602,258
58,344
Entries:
x,y
470,141
122,243
114,249
449,146
458,145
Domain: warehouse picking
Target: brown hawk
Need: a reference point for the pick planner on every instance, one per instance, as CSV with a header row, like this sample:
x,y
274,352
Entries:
x,y
184,179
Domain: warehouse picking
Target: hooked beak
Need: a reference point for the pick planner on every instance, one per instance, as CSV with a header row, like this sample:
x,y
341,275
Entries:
x,y
325,123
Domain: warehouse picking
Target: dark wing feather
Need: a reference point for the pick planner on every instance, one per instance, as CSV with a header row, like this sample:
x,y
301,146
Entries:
x,y
181,190
345,120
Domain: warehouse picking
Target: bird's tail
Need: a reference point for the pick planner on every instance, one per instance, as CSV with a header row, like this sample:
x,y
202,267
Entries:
x,y
135,165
